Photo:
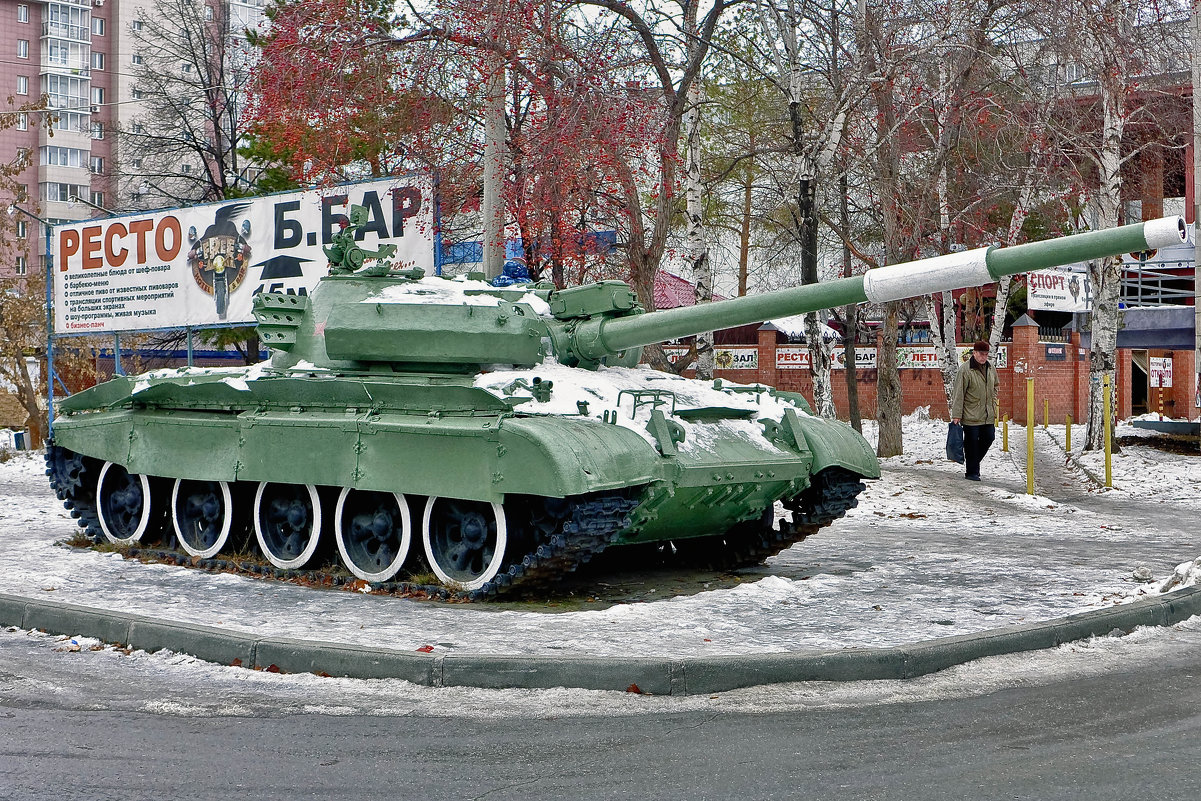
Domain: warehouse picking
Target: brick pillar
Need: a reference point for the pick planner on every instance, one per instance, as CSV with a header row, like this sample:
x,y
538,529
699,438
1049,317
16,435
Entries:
x,y
1026,360
767,357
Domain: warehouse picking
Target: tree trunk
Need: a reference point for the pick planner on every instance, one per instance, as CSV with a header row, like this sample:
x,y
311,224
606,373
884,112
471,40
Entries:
x,y
851,313
744,235
819,347
1106,274
888,387
698,251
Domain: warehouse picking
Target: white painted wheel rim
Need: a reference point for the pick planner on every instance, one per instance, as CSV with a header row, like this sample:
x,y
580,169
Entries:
x,y
144,518
402,550
498,553
314,528
226,522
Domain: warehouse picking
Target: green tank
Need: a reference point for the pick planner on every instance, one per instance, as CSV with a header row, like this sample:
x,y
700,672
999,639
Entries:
x,y
494,437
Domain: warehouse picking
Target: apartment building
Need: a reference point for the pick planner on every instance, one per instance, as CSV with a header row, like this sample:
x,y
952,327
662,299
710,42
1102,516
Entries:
x,y
83,55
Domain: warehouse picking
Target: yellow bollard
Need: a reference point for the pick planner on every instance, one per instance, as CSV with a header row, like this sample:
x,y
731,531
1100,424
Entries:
x,y
1029,436
1068,427
1005,434
1046,412
1108,444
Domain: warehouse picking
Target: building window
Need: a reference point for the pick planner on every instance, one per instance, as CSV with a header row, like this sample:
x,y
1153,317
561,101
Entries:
x,y
96,165
22,121
62,193
97,130
22,84
137,164
22,229
21,265
97,95
22,48
186,169
97,60
137,58
22,12
98,198
97,26
137,24
138,94
62,156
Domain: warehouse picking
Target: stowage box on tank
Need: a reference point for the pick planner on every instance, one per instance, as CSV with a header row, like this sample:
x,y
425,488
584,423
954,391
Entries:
x,y
496,437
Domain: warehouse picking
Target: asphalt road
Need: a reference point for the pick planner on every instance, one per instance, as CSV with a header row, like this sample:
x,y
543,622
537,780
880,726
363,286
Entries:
x,y
1129,729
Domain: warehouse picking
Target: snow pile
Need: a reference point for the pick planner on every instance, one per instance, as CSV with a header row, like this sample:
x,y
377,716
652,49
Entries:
x,y
1187,574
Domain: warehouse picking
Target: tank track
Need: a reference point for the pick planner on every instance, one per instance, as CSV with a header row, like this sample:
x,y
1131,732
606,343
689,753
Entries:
x,y
832,493
568,537
590,524
73,478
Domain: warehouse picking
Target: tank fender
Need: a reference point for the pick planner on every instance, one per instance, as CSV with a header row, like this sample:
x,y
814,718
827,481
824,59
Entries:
x,y
834,443
560,456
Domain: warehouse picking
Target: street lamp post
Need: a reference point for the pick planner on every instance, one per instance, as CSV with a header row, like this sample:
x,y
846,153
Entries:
x,y
78,199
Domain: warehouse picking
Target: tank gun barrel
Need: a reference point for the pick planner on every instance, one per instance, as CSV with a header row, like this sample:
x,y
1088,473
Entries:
x,y
892,282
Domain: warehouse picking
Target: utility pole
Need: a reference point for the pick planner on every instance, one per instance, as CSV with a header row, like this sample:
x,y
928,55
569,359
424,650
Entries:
x,y
493,204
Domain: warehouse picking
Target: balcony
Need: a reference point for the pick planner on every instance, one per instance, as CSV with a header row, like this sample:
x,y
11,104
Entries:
x,y
63,30
73,67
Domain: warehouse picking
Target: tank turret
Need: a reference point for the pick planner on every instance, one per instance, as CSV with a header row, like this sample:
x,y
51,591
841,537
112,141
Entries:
x,y
446,427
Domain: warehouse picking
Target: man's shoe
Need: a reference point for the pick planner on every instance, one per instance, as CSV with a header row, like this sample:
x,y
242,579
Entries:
x,y
970,477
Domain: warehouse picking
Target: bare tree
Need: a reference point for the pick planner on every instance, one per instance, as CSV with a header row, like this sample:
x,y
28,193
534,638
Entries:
x,y
698,250
194,70
820,83
1110,52
927,57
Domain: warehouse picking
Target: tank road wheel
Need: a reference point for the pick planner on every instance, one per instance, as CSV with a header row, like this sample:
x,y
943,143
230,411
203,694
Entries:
x,y
373,530
464,541
123,502
287,523
201,512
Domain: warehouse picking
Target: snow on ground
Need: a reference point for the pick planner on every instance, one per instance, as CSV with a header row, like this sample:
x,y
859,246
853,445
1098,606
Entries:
x,y
926,554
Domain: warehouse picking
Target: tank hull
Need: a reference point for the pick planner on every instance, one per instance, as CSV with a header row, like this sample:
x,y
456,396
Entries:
x,y
692,463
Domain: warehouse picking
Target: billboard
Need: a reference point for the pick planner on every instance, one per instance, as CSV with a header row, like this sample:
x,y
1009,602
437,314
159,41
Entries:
x,y
1056,290
724,357
202,265
909,357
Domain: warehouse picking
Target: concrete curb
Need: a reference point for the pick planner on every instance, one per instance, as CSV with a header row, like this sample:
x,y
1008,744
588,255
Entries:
x,y
657,675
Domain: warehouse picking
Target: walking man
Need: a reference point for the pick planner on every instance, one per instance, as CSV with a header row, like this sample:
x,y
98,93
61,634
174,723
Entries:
x,y
974,406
